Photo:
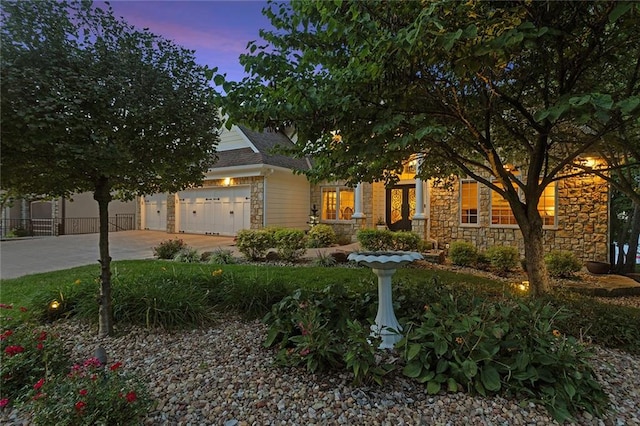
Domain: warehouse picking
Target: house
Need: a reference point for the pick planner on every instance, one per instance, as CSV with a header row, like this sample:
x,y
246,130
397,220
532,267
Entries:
x,y
249,187
575,212
63,216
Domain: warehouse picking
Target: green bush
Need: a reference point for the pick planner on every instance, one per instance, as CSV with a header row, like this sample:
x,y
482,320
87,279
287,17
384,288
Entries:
x,y
503,258
187,255
169,248
291,244
321,235
562,263
91,394
28,354
406,241
255,243
222,257
510,346
463,253
375,240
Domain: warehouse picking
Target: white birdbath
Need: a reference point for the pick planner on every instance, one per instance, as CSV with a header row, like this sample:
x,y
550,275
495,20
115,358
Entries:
x,y
384,265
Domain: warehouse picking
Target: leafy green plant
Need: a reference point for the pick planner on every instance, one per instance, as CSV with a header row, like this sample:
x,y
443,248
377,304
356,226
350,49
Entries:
x,y
512,346
254,243
222,257
463,253
405,241
360,356
375,240
562,263
187,255
169,248
290,244
503,259
90,394
325,260
321,235
28,353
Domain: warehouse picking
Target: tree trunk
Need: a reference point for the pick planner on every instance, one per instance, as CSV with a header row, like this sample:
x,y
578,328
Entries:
x,y
534,257
102,195
630,262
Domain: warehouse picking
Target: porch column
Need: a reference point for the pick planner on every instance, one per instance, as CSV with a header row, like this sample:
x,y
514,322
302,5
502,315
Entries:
x,y
358,214
419,222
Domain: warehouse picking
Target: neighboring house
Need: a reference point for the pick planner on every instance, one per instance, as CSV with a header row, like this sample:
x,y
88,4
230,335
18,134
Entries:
x,y
249,187
62,216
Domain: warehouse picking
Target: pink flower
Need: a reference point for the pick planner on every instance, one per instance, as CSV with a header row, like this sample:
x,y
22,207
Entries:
x,y
304,352
13,350
39,346
82,392
131,396
5,306
23,309
42,336
4,402
39,384
6,334
38,396
92,362
80,406
115,366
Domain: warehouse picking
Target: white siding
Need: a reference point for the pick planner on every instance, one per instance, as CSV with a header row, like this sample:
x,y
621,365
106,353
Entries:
x,y
287,200
233,139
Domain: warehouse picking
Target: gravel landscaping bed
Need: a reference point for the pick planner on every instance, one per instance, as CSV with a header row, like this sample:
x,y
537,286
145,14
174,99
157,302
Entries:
x,y
221,375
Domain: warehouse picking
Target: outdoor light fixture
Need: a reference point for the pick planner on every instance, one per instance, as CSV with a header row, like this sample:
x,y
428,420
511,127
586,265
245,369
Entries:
x,y
54,305
524,286
227,181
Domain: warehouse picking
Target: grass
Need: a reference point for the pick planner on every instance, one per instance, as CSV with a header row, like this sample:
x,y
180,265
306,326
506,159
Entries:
x,y
141,289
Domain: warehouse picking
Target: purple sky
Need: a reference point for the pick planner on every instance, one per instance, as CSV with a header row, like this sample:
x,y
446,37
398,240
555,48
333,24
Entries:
x,y
217,30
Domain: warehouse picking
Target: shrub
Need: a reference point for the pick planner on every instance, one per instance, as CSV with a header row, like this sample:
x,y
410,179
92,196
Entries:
x,y
375,240
511,346
290,244
406,241
168,249
187,255
321,235
503,258
254,243
222,257
90,394
562,263
28,354
463,253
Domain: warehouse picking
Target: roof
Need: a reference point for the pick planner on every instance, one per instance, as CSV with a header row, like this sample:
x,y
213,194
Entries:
x,y
265,143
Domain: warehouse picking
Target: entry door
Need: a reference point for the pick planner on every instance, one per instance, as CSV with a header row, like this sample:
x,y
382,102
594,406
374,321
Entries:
x,y
401,207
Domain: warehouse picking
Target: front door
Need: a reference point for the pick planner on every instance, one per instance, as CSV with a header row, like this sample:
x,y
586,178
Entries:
x,y
401,207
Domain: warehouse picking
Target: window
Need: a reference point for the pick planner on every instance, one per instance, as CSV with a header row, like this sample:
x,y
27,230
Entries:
x,y
337,203
547,205
468,202
501,213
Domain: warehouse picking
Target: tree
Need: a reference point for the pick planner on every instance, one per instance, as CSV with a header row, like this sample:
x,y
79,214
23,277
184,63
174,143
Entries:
x,y
472,86
89,103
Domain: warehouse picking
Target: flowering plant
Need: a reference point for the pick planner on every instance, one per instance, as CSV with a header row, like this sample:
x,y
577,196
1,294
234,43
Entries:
x,y
90,394
27,353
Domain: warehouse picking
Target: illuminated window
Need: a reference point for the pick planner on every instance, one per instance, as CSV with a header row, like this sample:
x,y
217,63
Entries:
x,y
468,202
337,203
501,213
547,205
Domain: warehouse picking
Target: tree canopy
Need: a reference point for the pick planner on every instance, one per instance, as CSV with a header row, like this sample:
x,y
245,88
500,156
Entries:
x,y
473,86
89,103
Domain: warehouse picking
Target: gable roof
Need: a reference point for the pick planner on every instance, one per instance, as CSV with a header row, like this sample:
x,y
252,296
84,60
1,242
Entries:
x,y
264,143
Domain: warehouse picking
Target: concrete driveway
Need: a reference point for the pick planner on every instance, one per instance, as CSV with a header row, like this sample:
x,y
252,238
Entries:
x,y
25,256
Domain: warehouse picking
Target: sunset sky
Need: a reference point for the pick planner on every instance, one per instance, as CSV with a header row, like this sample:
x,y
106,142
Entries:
x,y
217,30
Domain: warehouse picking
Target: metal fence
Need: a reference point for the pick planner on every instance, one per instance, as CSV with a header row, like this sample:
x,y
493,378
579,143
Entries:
x,y
66,226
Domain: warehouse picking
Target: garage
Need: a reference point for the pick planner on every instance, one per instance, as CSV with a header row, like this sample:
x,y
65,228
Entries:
x,y
219,211
155,212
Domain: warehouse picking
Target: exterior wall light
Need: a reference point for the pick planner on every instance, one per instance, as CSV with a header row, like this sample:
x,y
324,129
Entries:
x,y
227,181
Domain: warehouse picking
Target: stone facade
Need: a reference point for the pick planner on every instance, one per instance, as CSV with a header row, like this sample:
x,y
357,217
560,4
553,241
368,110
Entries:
x,y
581,226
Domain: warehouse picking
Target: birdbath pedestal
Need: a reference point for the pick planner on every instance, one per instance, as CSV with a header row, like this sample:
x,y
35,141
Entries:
x,y
384,265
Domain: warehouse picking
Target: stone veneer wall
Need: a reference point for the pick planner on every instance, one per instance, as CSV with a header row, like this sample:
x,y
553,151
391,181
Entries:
x,y
582,220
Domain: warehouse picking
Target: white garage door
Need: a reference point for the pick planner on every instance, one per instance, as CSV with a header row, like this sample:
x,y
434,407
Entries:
x,y
155,212
221,211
